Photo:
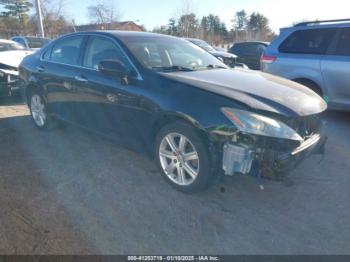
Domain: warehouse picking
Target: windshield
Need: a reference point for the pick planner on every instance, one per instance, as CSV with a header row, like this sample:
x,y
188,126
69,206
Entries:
x,y
204,45
34,42
10,46
170,53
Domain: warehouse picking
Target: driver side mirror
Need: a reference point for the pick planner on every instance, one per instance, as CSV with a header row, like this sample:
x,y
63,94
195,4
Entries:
x,y
113,67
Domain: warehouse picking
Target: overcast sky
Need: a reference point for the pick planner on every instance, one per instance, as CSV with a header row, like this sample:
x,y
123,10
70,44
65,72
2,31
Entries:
x,y
281,13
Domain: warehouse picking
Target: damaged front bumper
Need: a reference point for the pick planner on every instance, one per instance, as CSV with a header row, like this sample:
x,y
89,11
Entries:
x,y
240,158
312,146
9,82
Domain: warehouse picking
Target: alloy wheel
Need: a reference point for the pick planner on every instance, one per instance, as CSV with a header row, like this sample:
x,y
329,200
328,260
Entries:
x,y
179,159
37,108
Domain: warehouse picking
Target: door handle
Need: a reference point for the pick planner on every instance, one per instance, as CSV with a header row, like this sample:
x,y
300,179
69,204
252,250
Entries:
x,y
68,86
112,98
81,79
40,69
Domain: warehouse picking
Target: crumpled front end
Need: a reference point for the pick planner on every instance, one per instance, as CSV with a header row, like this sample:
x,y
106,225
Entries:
x,y
9,80
272,157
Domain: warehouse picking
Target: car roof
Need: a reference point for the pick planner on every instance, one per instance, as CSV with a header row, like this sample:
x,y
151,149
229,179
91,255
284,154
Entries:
x,y
128,33
316,25
253,42
194,39
121,34
28,36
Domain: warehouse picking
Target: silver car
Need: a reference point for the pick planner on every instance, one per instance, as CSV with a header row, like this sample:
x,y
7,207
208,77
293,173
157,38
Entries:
x,y
317,55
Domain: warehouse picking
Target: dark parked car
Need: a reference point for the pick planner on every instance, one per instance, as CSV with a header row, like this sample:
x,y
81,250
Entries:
x,y
249,53
31,42
160,93
227,58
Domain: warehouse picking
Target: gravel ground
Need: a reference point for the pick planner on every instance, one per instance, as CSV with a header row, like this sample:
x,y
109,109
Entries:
x,y
70,192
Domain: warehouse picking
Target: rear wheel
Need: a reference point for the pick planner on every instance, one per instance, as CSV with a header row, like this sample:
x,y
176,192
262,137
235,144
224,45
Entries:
x,y
39,112
183,158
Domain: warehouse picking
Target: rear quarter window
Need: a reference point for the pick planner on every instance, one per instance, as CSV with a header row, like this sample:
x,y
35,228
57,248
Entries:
x,y
343,45
310,41
47,54
237,49
67,50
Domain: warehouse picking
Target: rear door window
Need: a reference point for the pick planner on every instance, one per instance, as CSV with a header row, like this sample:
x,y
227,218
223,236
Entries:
x,y
47,54
260,48
67,50
311,41
248,49
238,49
343,46
20,41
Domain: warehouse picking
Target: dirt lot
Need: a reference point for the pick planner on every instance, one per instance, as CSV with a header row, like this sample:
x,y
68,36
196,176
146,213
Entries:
x,y
70,192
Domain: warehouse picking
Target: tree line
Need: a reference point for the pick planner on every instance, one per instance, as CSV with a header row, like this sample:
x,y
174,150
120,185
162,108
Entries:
x,y
18,17
245,27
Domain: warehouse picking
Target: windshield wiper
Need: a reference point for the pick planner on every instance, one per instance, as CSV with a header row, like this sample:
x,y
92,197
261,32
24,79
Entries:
x,y
216,67
173,68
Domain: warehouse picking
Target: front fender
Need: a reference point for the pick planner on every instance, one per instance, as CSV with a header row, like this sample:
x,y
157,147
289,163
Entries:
x,y
213,124
204,114
198,107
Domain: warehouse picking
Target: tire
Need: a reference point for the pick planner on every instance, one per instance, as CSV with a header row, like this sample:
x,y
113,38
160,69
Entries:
x,y
38,110
189,175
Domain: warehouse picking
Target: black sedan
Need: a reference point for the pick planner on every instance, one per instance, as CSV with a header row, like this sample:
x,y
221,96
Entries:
x,y
249,53
170,97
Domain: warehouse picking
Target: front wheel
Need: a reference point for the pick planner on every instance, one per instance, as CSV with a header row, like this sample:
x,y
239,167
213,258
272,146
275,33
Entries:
x,y
183,158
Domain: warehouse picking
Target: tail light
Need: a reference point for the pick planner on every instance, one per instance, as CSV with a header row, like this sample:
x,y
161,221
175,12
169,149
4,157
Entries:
x,y
267,59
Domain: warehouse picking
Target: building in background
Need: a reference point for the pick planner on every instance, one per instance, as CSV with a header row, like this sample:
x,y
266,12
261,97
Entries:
x,y
125,26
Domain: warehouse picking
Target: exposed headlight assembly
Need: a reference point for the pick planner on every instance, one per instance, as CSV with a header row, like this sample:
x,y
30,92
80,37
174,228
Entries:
x,y
252,123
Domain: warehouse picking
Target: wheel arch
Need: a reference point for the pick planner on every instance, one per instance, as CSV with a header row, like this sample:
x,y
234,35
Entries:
x,y
167,118
32,85
310,83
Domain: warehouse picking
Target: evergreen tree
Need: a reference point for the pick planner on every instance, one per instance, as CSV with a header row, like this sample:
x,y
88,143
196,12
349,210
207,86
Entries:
x,y
18,9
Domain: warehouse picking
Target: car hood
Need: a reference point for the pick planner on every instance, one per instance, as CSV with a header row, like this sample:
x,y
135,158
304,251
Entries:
x,y
257,90
13,58
223,54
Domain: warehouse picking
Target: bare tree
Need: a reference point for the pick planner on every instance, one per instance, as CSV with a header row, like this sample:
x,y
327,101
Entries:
x,y
104,12
187,23
187,7
54,18
56,8
10,26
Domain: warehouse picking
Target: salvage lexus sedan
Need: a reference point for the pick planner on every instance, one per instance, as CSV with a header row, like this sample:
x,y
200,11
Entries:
x,y
198,117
